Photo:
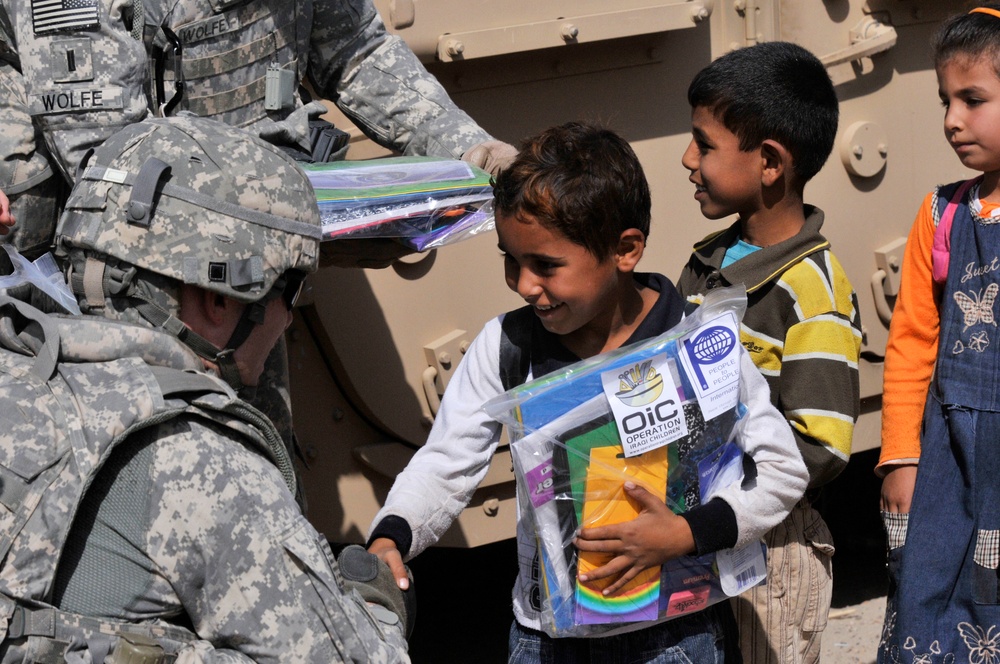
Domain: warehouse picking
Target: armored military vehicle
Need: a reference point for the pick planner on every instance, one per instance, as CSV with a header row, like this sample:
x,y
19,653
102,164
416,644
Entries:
x,y
371,351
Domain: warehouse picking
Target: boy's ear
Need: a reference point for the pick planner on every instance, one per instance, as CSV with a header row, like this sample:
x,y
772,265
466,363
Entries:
x,y
776,161
631,244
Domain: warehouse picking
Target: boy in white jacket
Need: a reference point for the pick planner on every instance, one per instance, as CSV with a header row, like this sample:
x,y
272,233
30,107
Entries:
x,y
573,214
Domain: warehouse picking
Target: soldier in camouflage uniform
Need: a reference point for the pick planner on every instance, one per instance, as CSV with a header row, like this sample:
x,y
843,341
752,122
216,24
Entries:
x,y
185,240
95,70
112,62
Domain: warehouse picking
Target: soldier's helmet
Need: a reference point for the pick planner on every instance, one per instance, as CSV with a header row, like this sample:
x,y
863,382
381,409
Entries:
x,y
186,200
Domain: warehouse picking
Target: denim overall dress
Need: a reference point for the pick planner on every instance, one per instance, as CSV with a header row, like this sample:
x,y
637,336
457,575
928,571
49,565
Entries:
x,y
946,607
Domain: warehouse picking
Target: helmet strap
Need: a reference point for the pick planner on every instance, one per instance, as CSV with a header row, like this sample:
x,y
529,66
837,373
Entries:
x,y
228,371
98,282
222,358
253,315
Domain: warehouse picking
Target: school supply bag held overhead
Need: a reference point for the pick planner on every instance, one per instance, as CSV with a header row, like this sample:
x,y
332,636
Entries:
x,y
663,413
423,202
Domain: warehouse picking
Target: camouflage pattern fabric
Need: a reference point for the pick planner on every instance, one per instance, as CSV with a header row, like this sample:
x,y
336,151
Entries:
x,y
81,86
207,159
273,398
228,52
84,84
239,212
378,82
36,193
340,46
256,577
221,545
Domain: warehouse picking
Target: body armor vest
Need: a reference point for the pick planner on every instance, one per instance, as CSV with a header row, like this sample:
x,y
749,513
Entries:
x,y
237,61
61,419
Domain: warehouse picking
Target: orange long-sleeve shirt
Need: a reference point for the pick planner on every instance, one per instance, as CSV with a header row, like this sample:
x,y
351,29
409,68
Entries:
x,y
913,343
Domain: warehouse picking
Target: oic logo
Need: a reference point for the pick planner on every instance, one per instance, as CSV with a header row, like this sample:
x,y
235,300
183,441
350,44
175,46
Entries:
x,y
709,347
639,385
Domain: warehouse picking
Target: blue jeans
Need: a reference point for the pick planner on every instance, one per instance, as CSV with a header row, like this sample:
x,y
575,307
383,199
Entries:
x,y
944,601
706,637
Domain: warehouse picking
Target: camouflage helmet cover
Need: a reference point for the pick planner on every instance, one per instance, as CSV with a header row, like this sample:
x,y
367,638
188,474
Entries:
x,y
195,200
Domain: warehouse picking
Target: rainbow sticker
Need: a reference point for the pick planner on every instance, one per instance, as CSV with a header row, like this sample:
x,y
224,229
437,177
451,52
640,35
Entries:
x,y
639,600
605,503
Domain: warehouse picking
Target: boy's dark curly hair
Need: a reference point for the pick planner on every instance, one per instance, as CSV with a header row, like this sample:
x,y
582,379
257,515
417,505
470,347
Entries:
x,y
581,180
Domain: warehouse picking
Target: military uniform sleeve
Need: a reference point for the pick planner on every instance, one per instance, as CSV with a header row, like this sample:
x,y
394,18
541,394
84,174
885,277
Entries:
x,y
378,82
250,572
441,477
911,351
18,139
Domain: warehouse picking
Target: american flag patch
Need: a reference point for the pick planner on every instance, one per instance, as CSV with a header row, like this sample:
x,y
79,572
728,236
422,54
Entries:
x,y
52,15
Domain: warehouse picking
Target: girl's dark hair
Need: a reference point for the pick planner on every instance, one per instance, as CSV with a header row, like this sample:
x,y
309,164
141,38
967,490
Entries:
x,y
972,35
581,180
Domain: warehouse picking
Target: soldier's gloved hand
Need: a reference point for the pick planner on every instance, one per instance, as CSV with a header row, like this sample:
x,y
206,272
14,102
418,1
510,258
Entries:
x,y
374,581
491,156
293,130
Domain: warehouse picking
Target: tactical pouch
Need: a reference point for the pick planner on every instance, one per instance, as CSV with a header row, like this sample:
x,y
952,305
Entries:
x,y
136,649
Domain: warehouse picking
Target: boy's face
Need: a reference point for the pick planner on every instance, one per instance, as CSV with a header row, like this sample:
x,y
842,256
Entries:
x,y
568,287
727,180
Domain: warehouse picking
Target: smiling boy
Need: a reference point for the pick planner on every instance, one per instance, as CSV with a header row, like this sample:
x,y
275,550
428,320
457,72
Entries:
x,y
763,122
581,289
572,215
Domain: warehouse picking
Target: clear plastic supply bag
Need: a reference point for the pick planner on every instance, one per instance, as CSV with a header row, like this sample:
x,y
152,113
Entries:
x,y
423,202
43,273
663,413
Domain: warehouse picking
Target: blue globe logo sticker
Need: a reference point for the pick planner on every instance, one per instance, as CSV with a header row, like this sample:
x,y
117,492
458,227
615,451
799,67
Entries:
x,y
709,347
639,385
713,345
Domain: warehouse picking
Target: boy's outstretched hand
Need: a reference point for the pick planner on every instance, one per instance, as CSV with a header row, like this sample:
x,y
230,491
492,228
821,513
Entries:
x,y
650,539
386,550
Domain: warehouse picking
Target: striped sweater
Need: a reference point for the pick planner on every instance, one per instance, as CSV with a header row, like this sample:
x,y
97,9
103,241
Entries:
x,y
802,329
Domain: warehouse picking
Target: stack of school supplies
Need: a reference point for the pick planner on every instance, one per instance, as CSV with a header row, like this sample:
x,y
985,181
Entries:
x,y
425,202
662,413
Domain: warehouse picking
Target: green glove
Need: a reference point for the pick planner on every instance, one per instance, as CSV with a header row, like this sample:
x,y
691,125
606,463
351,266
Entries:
x,y
372,578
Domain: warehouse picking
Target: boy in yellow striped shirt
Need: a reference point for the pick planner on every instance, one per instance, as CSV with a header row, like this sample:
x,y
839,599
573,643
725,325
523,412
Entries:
x,y
764,119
